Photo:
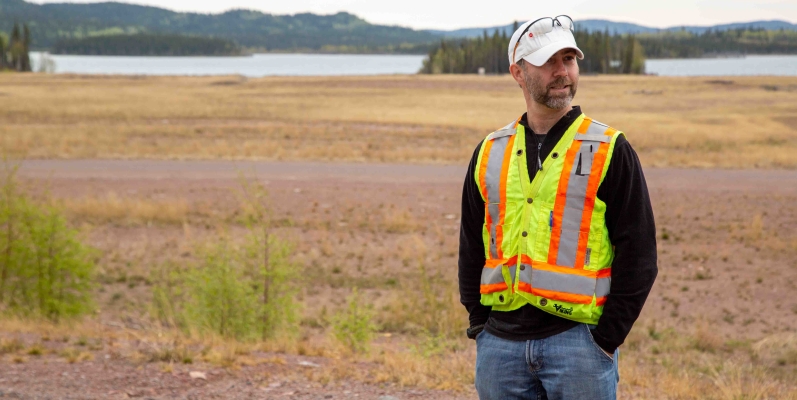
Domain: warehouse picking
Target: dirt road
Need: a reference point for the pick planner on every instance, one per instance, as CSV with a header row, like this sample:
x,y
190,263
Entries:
x,y
760,181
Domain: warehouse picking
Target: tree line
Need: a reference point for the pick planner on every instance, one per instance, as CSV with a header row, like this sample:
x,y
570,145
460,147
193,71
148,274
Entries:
x,y
147,44
603,53
685,44
14,51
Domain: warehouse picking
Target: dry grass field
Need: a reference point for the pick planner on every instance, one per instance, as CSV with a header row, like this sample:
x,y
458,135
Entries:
x,y
738,122
719,324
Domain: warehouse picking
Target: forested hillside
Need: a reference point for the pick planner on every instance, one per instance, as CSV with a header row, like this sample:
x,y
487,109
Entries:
x,y
685,44
145,44
340,32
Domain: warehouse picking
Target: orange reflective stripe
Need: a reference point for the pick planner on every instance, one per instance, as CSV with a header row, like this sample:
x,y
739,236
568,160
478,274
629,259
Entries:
x,y
493,262
511,261
524,287
499,231
584,125
600,301
492,288
589,201
488,144
604,273
567,297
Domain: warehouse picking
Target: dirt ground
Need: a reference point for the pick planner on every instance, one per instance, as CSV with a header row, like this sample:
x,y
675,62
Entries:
x,y
727,261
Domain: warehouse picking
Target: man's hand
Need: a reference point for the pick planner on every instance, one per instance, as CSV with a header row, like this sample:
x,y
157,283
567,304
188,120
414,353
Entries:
x,y
611,355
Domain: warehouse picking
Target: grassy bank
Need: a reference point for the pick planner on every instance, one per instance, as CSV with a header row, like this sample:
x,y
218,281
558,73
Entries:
x,y
744,122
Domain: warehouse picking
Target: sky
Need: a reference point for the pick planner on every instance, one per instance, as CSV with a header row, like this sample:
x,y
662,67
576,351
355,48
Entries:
x,y
448,15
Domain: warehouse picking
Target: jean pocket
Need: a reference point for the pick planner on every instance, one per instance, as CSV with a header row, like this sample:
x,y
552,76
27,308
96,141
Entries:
x,y
597,348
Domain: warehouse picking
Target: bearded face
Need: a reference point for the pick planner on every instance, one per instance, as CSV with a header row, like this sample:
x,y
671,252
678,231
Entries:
x,y
556,94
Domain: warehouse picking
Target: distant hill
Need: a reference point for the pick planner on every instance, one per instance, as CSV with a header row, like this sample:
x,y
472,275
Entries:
x,y
593,25
342,32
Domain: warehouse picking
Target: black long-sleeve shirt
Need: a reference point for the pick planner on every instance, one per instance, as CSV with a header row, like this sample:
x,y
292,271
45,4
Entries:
x,y
632,232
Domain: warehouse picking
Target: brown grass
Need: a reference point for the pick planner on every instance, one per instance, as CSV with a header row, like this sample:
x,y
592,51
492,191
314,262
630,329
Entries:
x,y
689,122
112,208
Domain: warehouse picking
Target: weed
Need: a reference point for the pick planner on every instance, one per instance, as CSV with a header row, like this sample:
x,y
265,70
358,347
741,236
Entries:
x,y
706,340
653,332
173,352
73,355
10,346
353,327
35,350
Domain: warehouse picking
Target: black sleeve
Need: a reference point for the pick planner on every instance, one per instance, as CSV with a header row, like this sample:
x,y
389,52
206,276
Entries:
x,y
471,247
632,231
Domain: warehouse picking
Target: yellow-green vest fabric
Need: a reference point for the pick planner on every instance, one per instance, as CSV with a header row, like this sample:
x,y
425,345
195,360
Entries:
x,y
546,241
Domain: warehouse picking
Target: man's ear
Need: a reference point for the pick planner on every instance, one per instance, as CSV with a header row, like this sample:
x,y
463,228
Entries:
x,y
517,74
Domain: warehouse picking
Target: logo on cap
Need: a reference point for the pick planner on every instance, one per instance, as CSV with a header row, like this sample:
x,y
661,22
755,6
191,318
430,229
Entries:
x,y
531,34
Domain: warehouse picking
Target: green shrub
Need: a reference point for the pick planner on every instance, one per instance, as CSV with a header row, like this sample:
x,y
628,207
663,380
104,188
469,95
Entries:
x,y
237,290
45,269
353,326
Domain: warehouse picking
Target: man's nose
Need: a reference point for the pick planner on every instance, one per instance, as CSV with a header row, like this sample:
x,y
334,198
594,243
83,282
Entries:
x,y
559,68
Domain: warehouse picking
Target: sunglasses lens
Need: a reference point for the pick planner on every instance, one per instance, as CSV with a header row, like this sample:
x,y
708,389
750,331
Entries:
x,y
566,22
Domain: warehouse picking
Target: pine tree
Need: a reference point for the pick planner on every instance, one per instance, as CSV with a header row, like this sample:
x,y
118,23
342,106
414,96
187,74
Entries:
x,y
3,62
25,56
15,47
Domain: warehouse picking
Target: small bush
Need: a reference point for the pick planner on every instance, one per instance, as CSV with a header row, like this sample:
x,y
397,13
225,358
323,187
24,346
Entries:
x,y
353,326
45,269
225,293
236,290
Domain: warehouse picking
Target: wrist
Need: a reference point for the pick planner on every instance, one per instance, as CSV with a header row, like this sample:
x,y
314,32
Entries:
x,y
474,331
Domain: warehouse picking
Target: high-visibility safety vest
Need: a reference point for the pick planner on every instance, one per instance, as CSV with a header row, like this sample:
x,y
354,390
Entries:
x,y
546,241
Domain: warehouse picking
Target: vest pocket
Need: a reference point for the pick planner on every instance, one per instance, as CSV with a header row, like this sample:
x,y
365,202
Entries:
x,y
497,275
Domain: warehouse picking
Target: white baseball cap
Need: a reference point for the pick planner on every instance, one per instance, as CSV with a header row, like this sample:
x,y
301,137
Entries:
x,y
536,44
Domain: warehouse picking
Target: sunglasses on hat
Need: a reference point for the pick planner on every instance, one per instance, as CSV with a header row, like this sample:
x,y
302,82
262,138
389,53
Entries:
x,y
542,26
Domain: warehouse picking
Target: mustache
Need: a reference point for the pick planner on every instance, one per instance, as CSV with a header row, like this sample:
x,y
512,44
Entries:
x,y
560,82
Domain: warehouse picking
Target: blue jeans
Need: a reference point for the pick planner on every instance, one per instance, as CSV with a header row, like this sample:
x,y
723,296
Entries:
x,y
567,366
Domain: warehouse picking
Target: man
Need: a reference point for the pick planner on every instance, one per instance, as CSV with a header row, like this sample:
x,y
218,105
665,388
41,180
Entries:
x,y
558,244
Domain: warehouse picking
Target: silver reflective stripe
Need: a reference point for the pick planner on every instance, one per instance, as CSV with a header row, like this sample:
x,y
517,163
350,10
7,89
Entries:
x,y
594,138
506,131
602,288
525,274
492,180
492,275
493,210
575,284
576,195
512,271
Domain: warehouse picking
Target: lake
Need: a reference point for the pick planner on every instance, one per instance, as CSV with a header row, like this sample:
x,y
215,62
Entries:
x,y
259,65
252,66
